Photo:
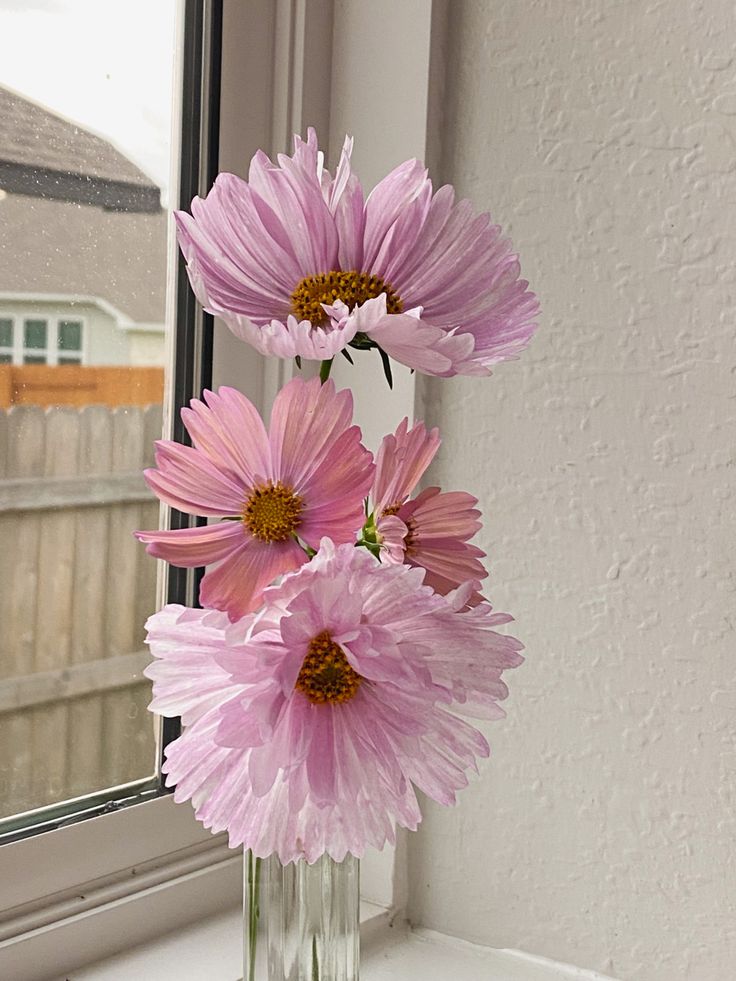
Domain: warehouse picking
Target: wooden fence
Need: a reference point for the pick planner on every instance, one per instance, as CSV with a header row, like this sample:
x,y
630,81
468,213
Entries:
x,y
40,384
75,591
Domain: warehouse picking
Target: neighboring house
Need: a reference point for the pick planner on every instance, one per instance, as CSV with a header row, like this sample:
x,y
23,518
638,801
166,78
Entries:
x,y
82,246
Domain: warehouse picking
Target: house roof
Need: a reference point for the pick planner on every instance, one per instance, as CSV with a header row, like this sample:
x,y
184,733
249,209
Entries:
x,y
52,243
42,154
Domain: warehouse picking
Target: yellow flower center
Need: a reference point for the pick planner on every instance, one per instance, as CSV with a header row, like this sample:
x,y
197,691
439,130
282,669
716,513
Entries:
x,y
352,287
272,513
325,675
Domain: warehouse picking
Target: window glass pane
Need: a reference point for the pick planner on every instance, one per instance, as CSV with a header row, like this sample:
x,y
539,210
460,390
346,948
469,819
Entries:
x,y
6,359
85,140
35,333
70,335
6,332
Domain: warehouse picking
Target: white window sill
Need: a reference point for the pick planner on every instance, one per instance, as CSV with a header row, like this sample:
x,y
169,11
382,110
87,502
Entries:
x,y
211,951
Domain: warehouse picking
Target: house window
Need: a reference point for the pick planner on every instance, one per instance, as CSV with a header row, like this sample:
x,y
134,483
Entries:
x,y
69,341
41,340
35,341
6,340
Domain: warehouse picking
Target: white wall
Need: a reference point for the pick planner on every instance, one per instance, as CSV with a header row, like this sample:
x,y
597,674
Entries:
x,y
602,135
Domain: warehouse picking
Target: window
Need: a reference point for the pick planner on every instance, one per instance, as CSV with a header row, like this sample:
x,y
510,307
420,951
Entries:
x,y
41,340
73,719
69,341
6,340
84,254
35,342
76,740
154,852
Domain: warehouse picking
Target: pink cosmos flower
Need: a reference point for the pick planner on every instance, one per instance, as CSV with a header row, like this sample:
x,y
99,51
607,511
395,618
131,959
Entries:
x,y
308,726
305,479
299,263
432,530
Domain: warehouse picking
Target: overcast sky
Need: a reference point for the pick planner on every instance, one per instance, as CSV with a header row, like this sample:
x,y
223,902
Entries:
x,y
106,64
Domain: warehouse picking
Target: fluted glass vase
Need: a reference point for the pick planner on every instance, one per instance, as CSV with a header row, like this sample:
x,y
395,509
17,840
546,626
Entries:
x,y
301,922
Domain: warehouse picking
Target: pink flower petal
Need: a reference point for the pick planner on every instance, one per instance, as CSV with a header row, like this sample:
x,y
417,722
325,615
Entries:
x,y
346,203
410,340
227,428
401,462
194,547
441,515
387,201
186,479
187,682
305,421
453,566
392,533
236,585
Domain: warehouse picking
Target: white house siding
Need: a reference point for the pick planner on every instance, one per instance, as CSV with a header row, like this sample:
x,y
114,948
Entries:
x,y
602,136
146,348
107,344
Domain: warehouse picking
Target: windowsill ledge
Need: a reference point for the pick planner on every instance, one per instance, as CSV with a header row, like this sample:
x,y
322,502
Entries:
x,y
211,951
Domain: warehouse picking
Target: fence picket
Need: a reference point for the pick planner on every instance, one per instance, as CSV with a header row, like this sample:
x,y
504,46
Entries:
x,y
25,454
53,614
85,765
146,567
127,735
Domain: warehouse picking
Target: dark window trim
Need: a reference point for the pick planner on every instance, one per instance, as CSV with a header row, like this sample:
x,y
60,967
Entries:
x,y
194,328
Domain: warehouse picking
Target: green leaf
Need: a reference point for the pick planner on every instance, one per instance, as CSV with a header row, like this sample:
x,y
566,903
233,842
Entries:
x,y
386,367
362,342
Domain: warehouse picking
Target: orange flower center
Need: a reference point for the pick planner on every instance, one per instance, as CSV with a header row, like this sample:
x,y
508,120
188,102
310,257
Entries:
x,y
325,675
352,287
272,513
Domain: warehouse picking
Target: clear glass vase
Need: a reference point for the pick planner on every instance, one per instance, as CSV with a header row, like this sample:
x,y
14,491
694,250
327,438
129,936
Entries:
x,y
301,922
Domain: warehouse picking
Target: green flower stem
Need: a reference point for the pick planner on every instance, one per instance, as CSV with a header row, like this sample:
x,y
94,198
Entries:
x,y
254,882
324,370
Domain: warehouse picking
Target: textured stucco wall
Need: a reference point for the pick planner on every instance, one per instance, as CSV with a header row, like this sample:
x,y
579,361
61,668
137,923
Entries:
x,y
603,831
